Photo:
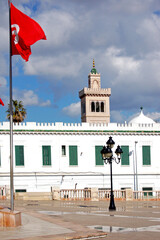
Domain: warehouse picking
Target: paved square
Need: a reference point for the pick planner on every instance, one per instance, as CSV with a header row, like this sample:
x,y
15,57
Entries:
x,y
85,220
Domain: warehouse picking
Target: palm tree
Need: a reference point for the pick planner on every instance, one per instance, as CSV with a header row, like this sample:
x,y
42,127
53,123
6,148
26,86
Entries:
x,y
19,112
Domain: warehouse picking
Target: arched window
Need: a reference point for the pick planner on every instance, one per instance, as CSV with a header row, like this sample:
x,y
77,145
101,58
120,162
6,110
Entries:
x,y
97,106
92,107
83,108
102,106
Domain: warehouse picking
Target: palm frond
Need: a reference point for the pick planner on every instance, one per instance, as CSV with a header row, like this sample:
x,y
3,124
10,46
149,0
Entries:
x,y
19,112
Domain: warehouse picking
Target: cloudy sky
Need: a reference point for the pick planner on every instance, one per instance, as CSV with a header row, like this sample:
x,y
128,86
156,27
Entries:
x,y
123,36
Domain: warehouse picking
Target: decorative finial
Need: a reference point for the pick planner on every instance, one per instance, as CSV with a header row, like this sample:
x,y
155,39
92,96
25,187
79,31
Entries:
x,y
93,71
93,64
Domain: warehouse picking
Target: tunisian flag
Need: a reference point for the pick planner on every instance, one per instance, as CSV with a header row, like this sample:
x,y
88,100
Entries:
x,y
24,32
1,102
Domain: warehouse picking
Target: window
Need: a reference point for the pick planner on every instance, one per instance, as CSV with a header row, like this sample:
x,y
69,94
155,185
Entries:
x,y
97,106
92,107
102,106
125,155
83,108
19,155
149,189
146,155
63,150
73,156
98,156
20,190
46,154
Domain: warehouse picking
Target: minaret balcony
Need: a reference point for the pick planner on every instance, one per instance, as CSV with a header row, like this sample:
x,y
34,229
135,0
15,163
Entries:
x,y
95,92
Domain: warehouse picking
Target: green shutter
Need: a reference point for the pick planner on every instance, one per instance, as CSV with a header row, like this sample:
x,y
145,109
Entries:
x,y
73,157
20,190
149,189
19,155
146,155
125,155
98,156
46,152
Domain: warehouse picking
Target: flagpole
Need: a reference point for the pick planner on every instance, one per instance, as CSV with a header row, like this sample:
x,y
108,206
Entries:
x,y
11,116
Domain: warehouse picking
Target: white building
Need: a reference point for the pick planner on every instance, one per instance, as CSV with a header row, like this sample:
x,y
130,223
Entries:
x,y
68,155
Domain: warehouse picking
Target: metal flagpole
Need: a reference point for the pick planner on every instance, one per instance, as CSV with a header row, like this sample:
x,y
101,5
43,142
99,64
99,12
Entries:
x,y
11,117
136,166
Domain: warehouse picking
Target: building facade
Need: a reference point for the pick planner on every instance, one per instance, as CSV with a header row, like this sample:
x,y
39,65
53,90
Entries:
x,y
68,156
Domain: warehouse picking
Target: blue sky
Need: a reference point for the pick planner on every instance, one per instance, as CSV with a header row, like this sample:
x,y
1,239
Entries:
x,y
123,36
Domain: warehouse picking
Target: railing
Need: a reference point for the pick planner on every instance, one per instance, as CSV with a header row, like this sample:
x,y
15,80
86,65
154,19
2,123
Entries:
x,y
146,195
75,194
85,194
102,194
118,194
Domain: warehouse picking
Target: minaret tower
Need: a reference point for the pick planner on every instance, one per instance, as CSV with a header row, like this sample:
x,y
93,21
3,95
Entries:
x,y
95,106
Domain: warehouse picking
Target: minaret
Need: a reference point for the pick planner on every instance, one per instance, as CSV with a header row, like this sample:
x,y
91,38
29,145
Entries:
x,y
95,106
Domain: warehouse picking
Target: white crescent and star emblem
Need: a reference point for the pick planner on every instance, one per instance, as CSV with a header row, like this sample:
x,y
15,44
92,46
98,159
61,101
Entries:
x,y
15,30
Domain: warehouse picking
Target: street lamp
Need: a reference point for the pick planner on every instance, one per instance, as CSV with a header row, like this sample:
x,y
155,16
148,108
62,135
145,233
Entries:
x,y
107,156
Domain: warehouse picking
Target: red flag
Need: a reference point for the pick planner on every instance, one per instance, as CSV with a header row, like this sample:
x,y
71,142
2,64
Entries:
x,y
25,32
1,102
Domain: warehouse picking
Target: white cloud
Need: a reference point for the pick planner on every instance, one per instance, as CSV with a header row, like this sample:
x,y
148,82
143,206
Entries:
x,y
117,117
29,98
61,66
3,82
4,46
3,90
58,26
154,115
73,110
149,32
45,104
122,35
65,65
123,64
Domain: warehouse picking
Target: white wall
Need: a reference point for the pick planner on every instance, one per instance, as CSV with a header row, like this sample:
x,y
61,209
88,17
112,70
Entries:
x,y
33,176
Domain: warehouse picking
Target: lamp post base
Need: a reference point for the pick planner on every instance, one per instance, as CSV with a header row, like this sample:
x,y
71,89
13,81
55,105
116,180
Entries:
x,y
112,206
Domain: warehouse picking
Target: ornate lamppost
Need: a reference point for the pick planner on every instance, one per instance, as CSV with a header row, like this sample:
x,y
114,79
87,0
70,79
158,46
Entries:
x,y
107,156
